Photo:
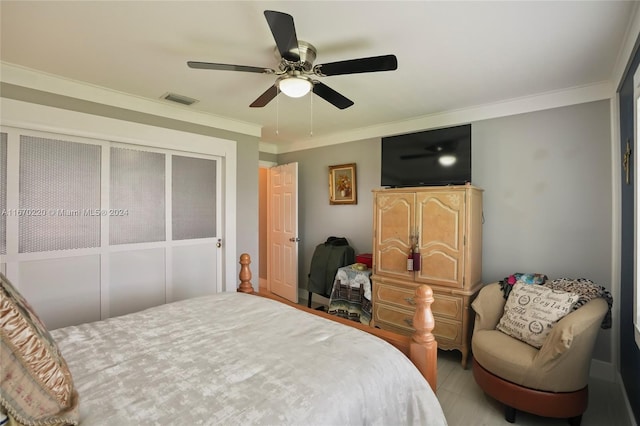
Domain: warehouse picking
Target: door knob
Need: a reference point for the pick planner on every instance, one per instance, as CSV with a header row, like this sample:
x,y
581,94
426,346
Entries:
x,y
219,243
294,239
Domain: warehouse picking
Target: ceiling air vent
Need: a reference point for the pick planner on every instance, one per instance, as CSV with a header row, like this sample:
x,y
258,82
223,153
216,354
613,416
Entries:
x,y
184,100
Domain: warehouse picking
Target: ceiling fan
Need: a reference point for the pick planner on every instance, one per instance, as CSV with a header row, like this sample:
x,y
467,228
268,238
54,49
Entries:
x,y
296,72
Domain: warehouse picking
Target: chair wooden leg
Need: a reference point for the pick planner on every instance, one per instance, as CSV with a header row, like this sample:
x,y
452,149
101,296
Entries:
x,y
509,414
575,421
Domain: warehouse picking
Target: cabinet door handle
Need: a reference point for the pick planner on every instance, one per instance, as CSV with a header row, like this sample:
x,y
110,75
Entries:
x,y
410,300
409,322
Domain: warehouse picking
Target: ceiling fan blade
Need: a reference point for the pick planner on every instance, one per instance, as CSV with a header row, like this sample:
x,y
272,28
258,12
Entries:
x,y
331,96
266,97
284,33
414,156
355,66
228,67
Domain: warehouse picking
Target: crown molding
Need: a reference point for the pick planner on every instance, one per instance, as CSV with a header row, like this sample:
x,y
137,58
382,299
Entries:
x,y
268,147
25,77
543,101
33,79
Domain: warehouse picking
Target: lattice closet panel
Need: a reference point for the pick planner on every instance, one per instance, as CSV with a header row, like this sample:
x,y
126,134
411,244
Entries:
x,y
3,193
59,188
137,197
193,196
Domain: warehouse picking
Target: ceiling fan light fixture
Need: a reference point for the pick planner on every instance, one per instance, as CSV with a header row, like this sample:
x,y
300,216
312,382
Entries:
x,y
295,86
447,160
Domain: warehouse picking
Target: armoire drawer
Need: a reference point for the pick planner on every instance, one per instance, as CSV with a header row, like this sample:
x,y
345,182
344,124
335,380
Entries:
x,y
444,306
399,296
401,320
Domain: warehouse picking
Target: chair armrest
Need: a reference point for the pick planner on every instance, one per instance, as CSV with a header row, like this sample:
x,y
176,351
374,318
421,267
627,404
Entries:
x,y
574,330
565,356
489,307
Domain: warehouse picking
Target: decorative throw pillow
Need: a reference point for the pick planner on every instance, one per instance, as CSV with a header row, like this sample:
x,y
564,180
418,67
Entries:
x,y
36,387
531,310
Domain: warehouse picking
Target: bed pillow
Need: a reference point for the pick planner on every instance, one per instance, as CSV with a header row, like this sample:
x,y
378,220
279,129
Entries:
x,y
36,387
531,311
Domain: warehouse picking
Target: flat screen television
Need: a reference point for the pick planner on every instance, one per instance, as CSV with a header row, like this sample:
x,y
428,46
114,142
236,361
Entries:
x,y
431,157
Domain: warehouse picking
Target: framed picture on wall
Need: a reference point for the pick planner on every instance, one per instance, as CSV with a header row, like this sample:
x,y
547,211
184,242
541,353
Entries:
x,y
342,184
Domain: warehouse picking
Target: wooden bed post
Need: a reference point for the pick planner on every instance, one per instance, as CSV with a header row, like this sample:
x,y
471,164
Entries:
x,y
245,274
423,350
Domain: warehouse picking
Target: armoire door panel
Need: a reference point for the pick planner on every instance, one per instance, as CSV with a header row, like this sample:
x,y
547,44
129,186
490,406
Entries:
x,y
393,261
439,222
394,216
439,267
396,212
441,240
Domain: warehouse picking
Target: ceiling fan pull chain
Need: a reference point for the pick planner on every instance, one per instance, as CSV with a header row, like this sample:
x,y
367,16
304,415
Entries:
x,y
277,113
311,115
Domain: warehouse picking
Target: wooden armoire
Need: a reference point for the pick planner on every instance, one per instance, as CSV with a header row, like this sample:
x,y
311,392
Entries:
x,y
446,222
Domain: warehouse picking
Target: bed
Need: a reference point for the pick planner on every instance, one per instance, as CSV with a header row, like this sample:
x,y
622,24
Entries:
x,y
228,358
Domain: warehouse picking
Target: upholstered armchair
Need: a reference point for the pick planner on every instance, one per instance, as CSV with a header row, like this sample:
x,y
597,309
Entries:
x,y
550,381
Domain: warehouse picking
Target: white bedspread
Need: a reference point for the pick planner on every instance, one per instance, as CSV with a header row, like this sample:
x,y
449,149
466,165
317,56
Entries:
x,y
232,359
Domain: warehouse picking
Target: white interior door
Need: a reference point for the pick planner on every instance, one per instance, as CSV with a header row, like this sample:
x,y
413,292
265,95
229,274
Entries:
x,y
283,231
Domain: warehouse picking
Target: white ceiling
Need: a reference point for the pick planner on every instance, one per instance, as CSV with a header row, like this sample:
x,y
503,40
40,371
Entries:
x,y
451,55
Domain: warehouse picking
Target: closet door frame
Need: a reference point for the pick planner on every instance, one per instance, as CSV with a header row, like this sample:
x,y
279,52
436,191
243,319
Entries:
x,y
107,132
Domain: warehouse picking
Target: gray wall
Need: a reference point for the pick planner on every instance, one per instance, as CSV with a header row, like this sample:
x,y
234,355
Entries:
x,y
267,156
547,200
548,195
247,202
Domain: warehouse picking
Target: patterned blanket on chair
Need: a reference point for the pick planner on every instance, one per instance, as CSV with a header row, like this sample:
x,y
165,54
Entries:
x,y
584,288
